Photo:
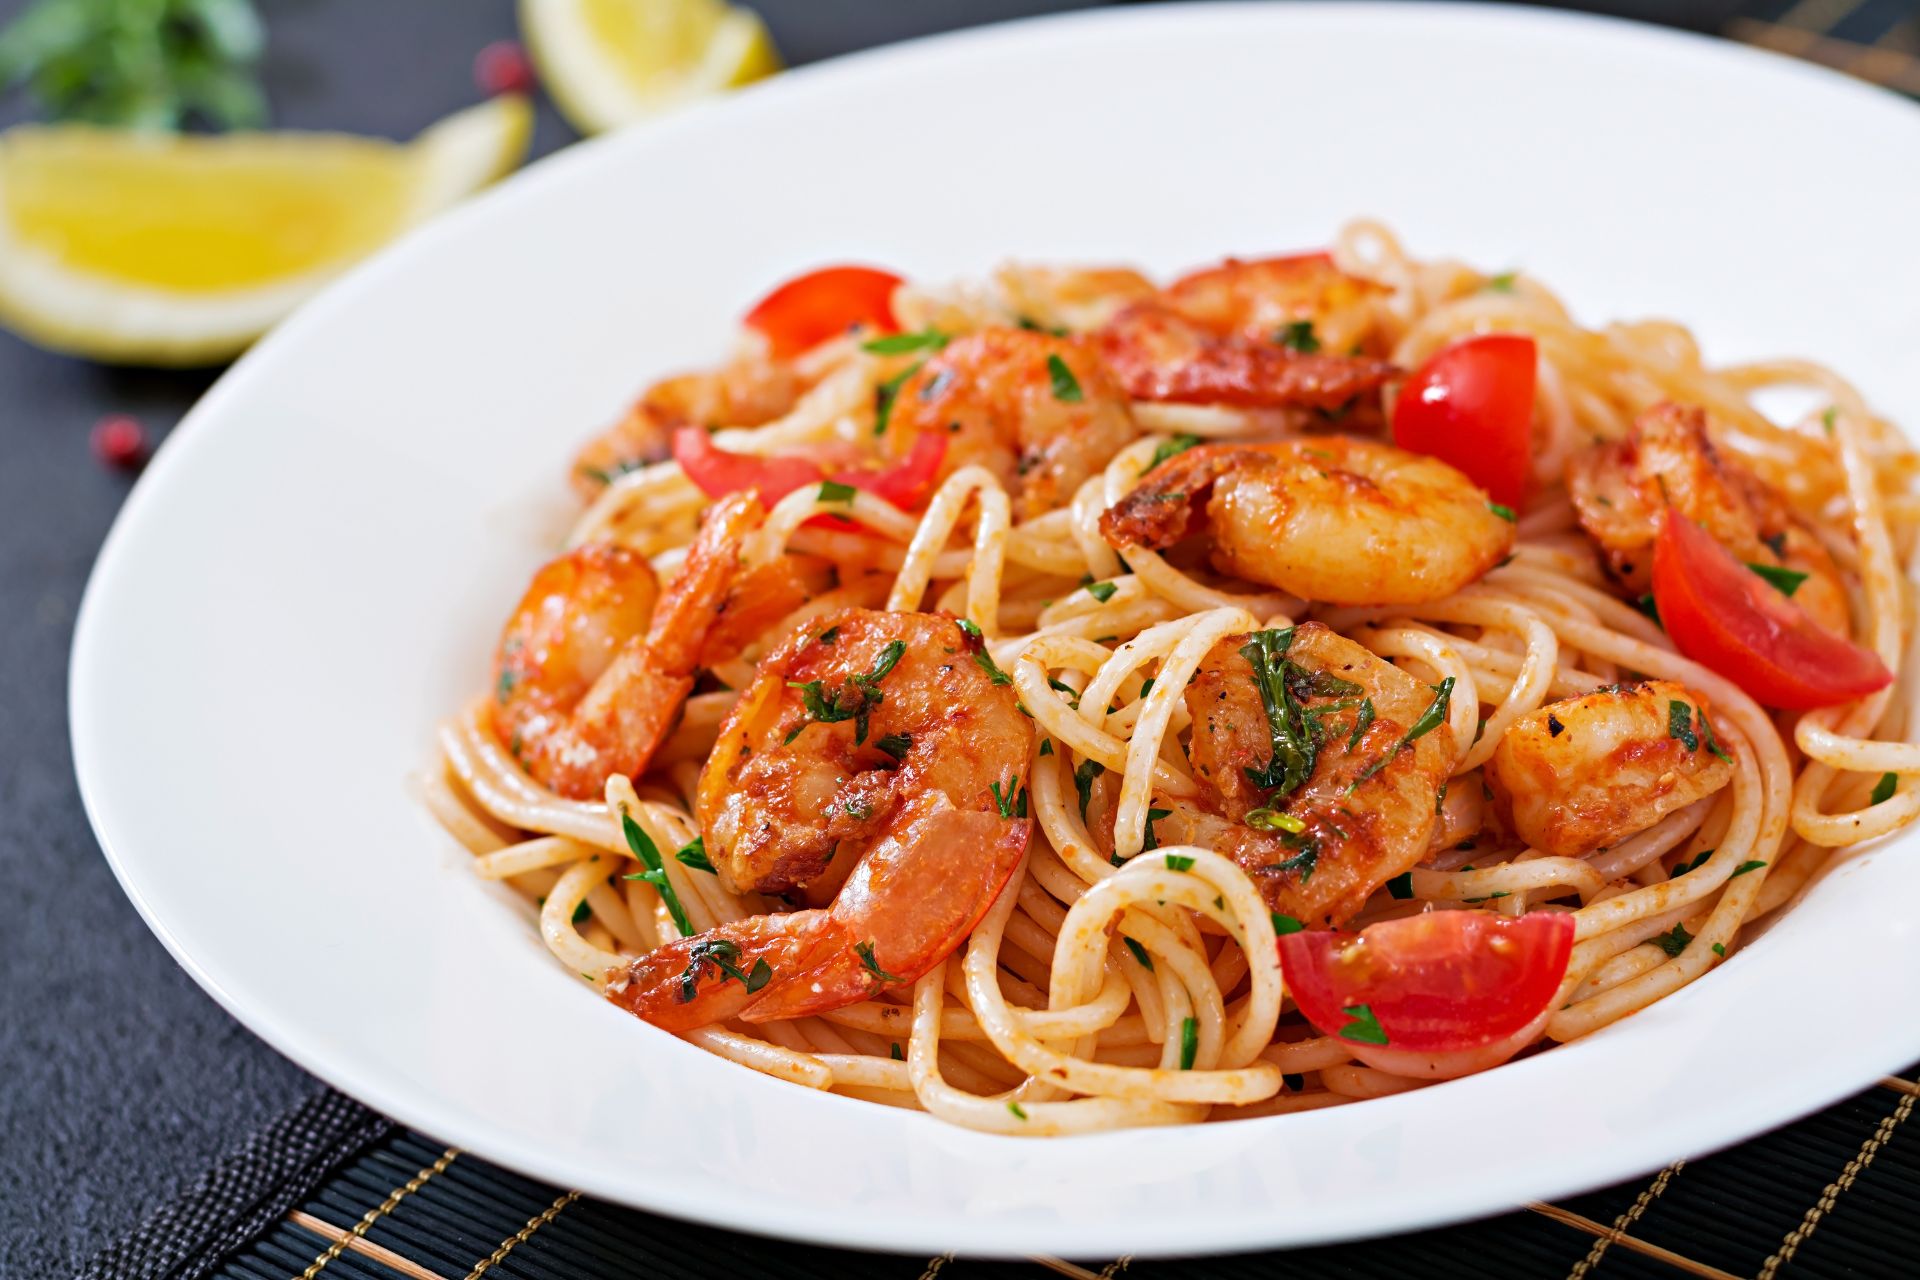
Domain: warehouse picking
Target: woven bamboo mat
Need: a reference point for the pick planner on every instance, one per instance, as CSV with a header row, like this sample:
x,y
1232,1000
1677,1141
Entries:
x,y
1837,1194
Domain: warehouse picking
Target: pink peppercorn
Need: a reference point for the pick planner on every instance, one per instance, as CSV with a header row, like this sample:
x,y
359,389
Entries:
x,y
120,441
502,67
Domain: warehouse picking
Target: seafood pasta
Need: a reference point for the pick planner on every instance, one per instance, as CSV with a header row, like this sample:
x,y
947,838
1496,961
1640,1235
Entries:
x,y
1070,702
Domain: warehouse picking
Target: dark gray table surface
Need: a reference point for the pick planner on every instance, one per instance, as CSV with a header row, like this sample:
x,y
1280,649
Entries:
x,y
119,1079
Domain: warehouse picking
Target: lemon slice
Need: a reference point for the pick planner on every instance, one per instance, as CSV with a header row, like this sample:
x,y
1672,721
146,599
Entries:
x,y
609,62
161,249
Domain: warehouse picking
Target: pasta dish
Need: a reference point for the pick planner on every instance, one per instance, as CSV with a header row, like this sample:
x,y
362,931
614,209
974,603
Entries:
x,y
1065,701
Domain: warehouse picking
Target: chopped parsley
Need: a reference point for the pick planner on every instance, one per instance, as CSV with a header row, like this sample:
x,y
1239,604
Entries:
x,y
899,343
1430,719
1883,790
1827,418
656,873
865,951
1743,868
977,644
1362,721
1304,861
855,701
1101,591
582,911
1680,723
1015,1108
1504,511
1284,924
1706,736
724,956
893,1051
1683,866
1073,694
1179,862
885,393
834,491
1150,841
1294,747
1274,820
1720,950
1013,802
1675,942
1139,953
1365,1028
1034,326
1066,387
694,854
1502,283
895,745
1189,1042
1646,605
1170,448
1298,335
1046,746
1786,581
1083,782
1401,886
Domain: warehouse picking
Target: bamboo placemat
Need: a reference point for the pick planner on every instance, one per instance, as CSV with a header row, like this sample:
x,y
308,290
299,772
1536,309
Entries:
x,y
1837,1194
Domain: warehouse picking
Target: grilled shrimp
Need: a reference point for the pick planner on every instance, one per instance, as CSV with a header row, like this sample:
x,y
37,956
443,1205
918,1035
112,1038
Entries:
x,y
1363,746
1586,772
746,393
872,762
1620,488
1041,412
1333,519
1274,333
590,673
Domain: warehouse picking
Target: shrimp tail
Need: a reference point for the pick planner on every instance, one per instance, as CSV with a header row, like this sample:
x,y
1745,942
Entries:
x,y
907,907
682,985
1166,505
1159,354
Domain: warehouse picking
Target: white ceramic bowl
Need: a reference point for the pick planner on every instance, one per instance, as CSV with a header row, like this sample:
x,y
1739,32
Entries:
x,y
313,570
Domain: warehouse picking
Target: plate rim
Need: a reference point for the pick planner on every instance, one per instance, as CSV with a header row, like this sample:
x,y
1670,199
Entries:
x,y
921,1230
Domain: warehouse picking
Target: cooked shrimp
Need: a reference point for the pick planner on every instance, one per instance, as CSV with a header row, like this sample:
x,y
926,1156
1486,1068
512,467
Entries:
x,y
1306,729
872,761
1274,333
746,393
1332,519
581,692
1041,412
1587,772
1620,488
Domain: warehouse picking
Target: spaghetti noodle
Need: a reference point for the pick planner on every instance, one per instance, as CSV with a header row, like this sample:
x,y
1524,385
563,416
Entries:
x,y
1119,977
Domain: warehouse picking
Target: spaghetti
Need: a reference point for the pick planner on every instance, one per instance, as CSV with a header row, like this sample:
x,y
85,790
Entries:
x,y
1122,976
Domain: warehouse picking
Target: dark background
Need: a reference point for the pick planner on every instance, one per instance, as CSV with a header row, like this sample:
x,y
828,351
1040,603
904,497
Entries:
x,y
119,1079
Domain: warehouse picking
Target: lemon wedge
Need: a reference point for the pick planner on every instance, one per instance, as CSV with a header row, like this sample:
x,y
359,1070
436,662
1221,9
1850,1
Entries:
x,y
609,62
178,250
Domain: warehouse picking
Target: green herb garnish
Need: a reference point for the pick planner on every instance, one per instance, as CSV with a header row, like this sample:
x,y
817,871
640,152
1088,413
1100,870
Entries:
x,y
1189,1042
1083,782
895,745
865,951
1504,511
1169,448
1179,862
885,393
1743,868
1883,790
1149,841
1675,942
1101,591
1298,335
1786,581
1680,723
1139,953
1365,1028
694,854
1284,924
1015,1108
655,874
1066,387
898,343
834,491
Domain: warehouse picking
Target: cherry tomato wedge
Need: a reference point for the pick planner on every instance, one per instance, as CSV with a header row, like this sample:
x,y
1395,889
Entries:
x,y
717,472
809,309
1471,406
1441,982
1727,617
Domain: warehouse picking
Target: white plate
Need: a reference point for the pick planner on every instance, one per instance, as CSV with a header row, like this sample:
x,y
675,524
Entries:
x,y
314,569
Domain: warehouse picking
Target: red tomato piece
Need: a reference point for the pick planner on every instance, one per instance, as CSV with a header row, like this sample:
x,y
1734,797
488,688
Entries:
x,y
1727,617
1442,982
717,472
1471,406
809,309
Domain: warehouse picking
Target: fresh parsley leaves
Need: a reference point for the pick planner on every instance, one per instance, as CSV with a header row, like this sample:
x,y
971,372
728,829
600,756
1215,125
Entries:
x,y
1364,1027
1066,387
865,951
655,874
899,343
1785,581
